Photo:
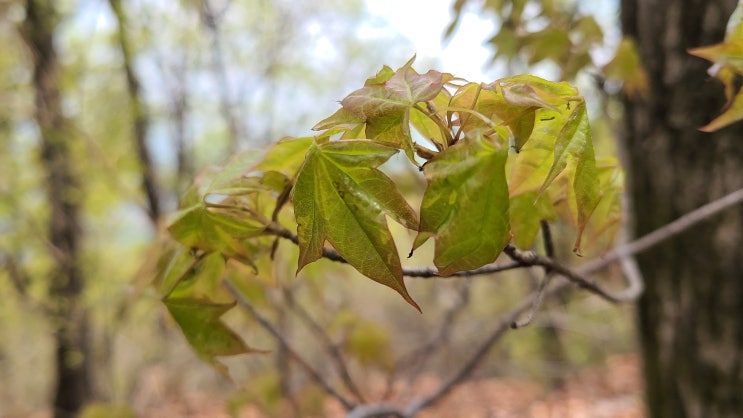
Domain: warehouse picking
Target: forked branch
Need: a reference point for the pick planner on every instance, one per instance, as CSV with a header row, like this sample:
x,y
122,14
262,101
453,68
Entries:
x,y
315,375
523,259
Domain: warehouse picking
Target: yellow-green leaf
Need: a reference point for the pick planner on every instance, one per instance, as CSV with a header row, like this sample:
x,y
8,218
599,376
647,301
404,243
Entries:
x,y
606,219
526,211
733,114
574,154
173,265
465,207
627,67
208,335
340,196
286,156
425,125
728,53
734,29
213,230
550,43
529,169
571,142
202,281
342,118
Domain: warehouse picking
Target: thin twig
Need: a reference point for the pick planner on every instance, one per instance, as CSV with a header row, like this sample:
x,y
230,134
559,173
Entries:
x,y
524,259
420,356
420,272
665,232
537,302
578,276
533,259
429,273
278,230
333,351
376,410
469,366
549,250
266,324
676,227
284,366
439,123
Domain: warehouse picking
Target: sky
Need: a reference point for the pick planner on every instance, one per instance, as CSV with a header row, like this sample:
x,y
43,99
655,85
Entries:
x,y
424,22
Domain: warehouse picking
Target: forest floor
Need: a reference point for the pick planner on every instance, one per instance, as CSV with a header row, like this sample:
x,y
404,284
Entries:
x,y
613,390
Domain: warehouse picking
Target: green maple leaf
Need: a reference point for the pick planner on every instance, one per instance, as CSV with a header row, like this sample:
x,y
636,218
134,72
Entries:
x,y
208,335
285,156
465,207
341,197
196,302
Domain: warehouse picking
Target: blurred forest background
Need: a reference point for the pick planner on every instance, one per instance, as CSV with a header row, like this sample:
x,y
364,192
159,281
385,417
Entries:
x,y
109,109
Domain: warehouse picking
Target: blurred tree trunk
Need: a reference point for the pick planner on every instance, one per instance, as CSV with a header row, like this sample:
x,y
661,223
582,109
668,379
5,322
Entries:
x,y
141,121
73,387
690,317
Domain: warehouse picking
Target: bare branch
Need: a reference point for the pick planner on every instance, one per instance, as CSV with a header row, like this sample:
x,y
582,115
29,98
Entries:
x,y
665,232
469,366
420,272
533,259
420,356
620,253
579,275
538,298
376,411
528,258
430,273
333,351
278,230
245,304
549,250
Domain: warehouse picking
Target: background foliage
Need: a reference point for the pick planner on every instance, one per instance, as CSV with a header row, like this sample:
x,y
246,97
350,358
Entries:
x,y
204,95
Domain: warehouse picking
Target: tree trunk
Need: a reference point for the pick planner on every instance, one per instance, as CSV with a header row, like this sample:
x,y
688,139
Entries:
x,y
73,386
690,317
141,121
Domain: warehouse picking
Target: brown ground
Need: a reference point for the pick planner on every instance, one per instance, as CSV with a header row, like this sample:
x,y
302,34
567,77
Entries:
x,y
611,391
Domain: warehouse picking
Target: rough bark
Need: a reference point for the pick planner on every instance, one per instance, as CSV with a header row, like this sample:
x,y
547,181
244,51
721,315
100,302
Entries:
x,y
73,387
690,315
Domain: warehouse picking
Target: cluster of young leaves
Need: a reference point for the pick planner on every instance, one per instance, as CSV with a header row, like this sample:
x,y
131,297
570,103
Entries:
x,y
727,57
498,158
